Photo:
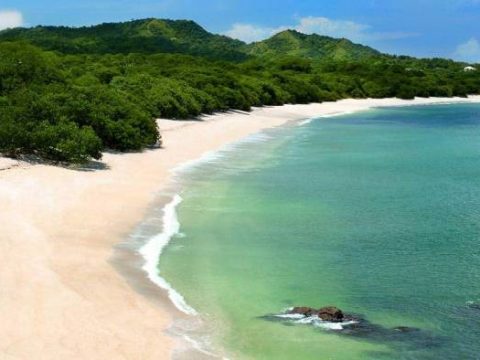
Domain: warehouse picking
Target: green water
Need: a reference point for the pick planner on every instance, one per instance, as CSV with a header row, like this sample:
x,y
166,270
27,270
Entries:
x,y
377,213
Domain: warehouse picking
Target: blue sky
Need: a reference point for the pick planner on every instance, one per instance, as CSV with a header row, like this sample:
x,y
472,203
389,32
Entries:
x,y
447,28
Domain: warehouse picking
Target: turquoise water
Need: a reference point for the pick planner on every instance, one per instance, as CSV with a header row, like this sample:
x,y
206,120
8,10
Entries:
x,y
377,213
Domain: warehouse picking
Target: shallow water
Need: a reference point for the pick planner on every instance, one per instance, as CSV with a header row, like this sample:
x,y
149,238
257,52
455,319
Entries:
x,y
377,213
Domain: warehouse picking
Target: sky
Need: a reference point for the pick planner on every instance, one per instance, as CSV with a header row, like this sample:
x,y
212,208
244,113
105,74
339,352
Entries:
x,y
425,28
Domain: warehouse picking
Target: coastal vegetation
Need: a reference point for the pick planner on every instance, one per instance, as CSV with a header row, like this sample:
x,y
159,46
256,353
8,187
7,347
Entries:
x,y
67,94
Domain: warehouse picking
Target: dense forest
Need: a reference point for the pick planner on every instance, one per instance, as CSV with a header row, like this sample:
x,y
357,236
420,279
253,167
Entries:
x,y
66,94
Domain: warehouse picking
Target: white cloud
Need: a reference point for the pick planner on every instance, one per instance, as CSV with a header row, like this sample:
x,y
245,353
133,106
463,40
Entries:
x,y
249,33
468,51
316,25
10,19
329,27
346,29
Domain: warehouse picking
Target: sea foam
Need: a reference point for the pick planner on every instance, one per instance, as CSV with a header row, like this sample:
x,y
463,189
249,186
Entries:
x,y
331,115
316,321
219,154
152,250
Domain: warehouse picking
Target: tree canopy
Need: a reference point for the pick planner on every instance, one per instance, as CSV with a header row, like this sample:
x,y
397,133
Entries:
x,y
66,99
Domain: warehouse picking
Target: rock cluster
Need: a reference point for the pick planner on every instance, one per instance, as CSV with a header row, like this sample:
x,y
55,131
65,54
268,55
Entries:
x,y
329,313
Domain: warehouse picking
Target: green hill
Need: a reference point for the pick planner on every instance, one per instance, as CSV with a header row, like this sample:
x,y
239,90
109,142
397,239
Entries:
x,y
151,36
139,36
294,43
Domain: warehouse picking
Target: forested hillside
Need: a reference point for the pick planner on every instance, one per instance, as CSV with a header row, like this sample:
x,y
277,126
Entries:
x,y
79,91
147,36
293,43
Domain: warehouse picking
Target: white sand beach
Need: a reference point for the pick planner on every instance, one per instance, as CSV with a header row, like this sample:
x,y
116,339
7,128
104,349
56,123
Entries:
x,y
60,296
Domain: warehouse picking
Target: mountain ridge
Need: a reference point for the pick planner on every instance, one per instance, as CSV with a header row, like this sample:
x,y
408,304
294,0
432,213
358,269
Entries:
x,y
313,46
153,35
137,36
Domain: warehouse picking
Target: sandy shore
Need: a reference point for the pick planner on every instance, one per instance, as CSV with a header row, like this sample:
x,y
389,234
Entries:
x,y
61,298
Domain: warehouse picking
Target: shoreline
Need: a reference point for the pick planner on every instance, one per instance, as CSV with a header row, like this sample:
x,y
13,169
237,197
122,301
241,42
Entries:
x,y
62,296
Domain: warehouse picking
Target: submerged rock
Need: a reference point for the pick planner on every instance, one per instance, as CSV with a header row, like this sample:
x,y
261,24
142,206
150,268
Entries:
x,y
303,310
333,319
405,329
329,313
473,305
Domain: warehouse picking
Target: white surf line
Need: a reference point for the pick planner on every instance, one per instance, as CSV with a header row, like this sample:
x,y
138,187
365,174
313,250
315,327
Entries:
x,y
152,250
405,103
154,247
220,153
331,115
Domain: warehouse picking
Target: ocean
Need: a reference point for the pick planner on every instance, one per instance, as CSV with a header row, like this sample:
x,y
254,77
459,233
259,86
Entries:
x,y
376,213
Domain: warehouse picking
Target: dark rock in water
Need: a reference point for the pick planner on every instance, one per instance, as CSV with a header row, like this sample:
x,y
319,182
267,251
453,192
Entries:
x,y
357,326
303,310
331,313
